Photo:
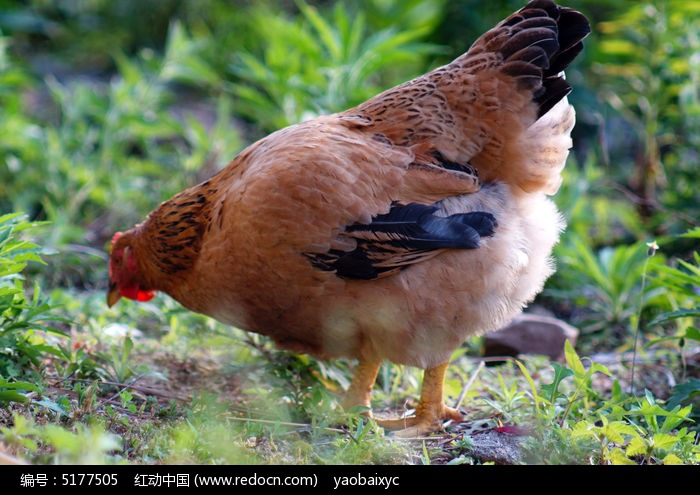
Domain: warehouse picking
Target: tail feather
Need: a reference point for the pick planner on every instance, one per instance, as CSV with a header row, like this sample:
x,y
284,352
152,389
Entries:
x,y
555,91
478,109
536,44
538,156
542,39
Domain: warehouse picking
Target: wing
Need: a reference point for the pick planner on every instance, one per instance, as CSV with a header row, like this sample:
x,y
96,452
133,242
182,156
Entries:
x,y
406,235
333,195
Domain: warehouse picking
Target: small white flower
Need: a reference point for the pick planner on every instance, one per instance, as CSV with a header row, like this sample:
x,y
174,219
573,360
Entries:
x,y
653,247
120,330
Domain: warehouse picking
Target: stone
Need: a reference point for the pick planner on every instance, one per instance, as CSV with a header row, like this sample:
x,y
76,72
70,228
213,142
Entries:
x,y
531,334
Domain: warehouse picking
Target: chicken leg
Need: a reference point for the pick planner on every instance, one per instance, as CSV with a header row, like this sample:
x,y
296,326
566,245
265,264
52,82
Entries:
x,y
430,413
360,391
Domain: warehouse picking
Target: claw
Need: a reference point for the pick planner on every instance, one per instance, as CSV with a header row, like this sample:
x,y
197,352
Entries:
x,y
424,422
431,411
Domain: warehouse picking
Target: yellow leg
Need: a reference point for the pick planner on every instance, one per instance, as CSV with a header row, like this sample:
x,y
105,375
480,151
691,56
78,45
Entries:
x,y
360,391
431,411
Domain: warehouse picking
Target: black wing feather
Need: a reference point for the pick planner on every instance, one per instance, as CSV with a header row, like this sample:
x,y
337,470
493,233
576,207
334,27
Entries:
x,y
406,235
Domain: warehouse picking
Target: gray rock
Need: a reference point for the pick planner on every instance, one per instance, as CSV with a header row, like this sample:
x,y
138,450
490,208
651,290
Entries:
x,y
530,334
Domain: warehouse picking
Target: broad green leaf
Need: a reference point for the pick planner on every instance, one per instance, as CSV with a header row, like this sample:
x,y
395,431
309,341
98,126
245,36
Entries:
x,y
560,373
637,446
615,430
676,417
692,333
618,458
583,430
671,459
664,441
684,392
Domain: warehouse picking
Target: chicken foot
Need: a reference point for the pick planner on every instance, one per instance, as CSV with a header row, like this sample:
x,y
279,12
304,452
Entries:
x,y
430,413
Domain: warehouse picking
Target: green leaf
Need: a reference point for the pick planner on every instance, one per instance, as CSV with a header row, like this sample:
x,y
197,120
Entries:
x,y
617,47
671,459
572,359
618,458
537,399
326,34
53,406
12,396
664,441
676,417
636,446
681,313
583,430
18,385
692,334
560,373
616,430
684,392
693,233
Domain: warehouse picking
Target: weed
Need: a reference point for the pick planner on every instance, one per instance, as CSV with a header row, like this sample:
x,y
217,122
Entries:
x,y
647,77
574,421
24,319
605,286
321,62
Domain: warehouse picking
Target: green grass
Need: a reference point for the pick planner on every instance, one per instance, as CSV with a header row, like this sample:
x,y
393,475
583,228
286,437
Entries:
x,y
206,394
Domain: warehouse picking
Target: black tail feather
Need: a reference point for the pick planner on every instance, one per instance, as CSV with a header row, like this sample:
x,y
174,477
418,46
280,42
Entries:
x,y
545,39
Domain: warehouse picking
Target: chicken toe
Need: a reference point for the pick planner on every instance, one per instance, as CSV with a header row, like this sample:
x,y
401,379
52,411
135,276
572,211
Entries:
x,y
431,412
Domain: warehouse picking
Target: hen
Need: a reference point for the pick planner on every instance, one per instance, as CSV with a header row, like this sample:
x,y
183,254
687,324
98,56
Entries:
x,y
391,231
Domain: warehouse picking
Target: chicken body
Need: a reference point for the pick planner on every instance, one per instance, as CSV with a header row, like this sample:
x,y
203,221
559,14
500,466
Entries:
x,y
391,231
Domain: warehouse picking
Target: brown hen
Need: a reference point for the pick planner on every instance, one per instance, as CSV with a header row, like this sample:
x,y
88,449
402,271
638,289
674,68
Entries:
x,y
391,231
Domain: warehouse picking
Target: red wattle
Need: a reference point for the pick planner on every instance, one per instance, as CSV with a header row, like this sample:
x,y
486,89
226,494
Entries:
x,y
145,295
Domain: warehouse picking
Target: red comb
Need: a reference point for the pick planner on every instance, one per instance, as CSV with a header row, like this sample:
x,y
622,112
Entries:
x,y
116,236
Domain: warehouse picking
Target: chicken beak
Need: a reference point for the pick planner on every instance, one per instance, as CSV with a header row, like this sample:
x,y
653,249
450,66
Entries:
x,y
113,295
